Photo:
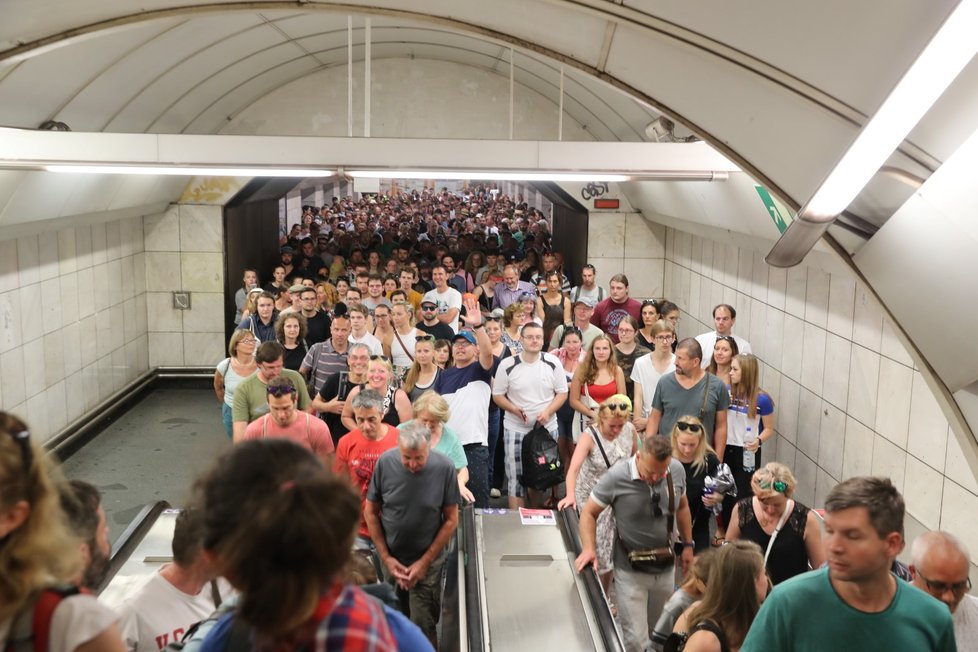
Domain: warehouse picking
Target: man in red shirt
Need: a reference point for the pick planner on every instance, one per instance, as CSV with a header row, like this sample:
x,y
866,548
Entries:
x,y
608,313
360,449
285,421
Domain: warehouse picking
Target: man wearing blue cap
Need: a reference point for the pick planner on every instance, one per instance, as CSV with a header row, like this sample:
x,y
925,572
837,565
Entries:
x,y
466,387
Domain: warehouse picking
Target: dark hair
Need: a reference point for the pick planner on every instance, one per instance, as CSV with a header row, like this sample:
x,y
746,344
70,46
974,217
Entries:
x,y
878,495
281,526
570,329
735,350
658,446
666,306
80,501
188,536
691,346
269,352
529,324
730,309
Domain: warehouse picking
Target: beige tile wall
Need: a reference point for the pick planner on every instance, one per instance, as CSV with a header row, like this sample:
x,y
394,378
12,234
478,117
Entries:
x,y
627,243
184,251
73,325
849,400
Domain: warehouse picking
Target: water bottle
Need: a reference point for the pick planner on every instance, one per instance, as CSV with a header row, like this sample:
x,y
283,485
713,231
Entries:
x,y
708,489
748,454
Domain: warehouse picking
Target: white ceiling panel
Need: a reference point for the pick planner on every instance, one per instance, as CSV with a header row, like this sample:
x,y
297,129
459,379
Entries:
x,y
191,69
65,71
855,51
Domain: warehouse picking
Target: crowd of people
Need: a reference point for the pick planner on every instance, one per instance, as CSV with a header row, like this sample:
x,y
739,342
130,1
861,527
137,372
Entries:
x,y
390,371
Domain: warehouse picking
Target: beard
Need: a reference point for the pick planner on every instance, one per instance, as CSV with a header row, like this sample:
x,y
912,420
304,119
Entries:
x,y
97,569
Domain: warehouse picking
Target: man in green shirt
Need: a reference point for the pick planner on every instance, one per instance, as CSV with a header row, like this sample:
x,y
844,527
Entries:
x,y
856,603
251,396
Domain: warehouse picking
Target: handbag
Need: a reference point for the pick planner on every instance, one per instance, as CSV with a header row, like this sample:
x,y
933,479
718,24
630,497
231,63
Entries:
x,y
655,560
579,423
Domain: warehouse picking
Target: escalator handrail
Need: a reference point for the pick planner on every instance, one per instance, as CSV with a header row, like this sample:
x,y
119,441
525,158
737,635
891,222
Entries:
x,y
130,539
599,605
473,586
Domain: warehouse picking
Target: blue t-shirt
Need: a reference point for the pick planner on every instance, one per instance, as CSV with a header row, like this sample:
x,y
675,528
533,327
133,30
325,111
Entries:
x,y
468,393
738,422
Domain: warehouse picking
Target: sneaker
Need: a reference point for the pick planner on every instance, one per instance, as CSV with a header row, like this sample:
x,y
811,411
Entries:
x,y
495,493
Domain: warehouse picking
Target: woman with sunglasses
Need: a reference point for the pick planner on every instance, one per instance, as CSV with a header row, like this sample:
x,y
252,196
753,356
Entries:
x,y
239,364
750,423
40,556
423,372
650,315
571,354
723,353
609,441
628,350
597,378
380,378
771,513
690,447
650,368
513,320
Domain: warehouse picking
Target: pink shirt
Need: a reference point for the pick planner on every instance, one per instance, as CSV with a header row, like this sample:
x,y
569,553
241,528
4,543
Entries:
x,y
307,431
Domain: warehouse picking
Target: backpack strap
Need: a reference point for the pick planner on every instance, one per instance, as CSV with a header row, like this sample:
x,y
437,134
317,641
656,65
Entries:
x,y
30,630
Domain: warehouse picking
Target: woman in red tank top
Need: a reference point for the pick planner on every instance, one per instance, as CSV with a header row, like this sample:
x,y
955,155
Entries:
x,y
597,378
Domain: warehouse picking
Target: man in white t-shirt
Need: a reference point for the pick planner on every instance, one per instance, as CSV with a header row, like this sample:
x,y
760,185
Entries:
x,y
448,299
285,421
941,565
530,388
180,595
358,329
724,318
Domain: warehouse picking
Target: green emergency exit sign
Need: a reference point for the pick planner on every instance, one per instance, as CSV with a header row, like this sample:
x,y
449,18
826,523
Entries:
x,y
772,209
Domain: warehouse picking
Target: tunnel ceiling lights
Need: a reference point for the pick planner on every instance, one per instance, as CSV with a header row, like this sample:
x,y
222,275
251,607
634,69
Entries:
x,y
487,175
925,81
191,171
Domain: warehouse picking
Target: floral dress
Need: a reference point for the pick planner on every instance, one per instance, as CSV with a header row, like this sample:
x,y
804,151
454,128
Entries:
x,y
591,471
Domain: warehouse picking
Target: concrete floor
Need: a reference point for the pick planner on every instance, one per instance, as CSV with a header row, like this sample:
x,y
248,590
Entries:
x,y
155,451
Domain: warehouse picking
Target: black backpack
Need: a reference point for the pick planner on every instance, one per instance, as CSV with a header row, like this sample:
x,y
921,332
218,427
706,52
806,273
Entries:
x,y
540,460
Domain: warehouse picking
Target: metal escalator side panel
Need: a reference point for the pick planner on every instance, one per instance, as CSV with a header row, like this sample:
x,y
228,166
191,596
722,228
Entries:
x,y
472,620
600,610
132,538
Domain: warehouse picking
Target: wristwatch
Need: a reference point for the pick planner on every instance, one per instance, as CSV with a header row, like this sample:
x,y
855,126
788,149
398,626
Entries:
x,y
688,544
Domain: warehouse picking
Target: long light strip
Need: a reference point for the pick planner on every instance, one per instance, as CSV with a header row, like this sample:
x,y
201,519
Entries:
x,y
954,45
190,171
491,175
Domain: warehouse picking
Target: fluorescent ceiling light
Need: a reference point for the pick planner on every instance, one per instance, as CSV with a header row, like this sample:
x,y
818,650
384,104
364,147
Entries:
x,y
925,81
190,171
954,45
489,175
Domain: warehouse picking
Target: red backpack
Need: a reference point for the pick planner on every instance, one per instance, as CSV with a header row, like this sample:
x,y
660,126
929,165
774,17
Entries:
x,y
31,629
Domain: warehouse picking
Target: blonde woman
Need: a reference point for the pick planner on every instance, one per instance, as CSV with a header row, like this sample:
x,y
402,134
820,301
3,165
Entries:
x,y
797,541
423,372
610,440
239,365
432,410
689,446
380,378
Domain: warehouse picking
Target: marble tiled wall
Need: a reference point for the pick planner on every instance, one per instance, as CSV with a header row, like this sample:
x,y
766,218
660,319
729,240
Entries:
x,y
627,243
849,399
184,251
73,325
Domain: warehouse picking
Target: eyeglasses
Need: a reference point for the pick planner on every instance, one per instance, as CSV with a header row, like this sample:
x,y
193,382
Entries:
x,y
958,588
656,507
621,407
663,338
692,427
249,340
23,440
279,391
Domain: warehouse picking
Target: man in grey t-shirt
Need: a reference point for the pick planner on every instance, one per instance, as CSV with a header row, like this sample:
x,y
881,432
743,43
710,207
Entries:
x,y
638,494
412,512
694,392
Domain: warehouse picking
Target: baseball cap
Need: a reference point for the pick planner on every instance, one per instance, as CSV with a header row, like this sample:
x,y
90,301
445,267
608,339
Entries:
x,y
465,335
586,301
287,250
429,303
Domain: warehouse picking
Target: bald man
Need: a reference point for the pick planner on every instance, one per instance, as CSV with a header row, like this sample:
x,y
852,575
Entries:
x,y
941,566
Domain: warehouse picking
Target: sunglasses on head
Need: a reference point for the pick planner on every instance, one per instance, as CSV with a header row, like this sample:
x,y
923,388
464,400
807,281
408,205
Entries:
x,y
23,440
280,391
621,407
424,338
692,427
